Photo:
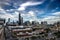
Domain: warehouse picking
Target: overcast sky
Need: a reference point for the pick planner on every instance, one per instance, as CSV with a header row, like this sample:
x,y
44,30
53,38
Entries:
x,y
32,10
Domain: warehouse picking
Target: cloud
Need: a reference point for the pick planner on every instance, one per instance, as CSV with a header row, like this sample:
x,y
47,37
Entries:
x,y
52,19
56,13
26,4
30,16
6,15
31,13
30,4
4,2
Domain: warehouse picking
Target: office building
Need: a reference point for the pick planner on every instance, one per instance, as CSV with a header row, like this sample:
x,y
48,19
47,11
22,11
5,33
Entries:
x,y
20,19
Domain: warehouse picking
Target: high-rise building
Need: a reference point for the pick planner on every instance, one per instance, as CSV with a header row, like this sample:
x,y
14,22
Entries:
x,y
27,23
2,21
8,19
44,22
20,19
35,22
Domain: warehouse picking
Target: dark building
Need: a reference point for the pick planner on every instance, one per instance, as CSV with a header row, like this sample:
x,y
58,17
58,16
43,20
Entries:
x,y
41,22
57,24
2,21
8,19
20,22
11,24
35,23
44,22
27,23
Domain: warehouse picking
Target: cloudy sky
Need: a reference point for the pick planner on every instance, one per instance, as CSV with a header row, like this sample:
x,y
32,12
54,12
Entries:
x,y
37,10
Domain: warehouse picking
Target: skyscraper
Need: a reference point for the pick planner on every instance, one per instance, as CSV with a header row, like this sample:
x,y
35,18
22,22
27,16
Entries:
x,y
8,19
20,20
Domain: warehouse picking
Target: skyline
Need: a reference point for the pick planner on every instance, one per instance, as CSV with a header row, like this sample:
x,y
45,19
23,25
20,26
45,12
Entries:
x,y
38,10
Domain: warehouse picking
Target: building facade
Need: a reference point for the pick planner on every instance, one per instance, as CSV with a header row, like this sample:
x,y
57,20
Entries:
x,y
20,22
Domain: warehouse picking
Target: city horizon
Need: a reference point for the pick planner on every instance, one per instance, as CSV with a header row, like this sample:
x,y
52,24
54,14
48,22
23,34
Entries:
x,y
31,10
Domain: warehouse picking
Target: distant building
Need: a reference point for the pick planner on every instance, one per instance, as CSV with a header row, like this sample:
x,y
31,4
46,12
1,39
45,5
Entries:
x,y
8,19
57,24
27,23
44,22
35,23
2,21
12,24
17,23
20,22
